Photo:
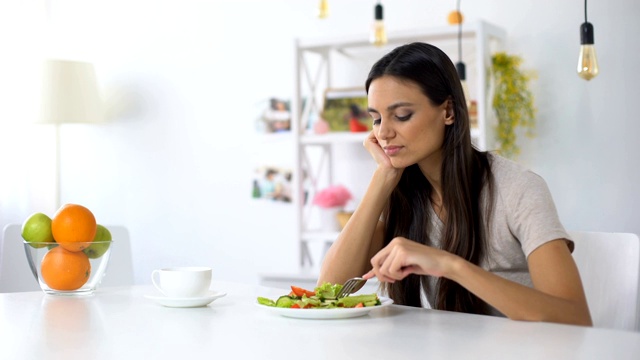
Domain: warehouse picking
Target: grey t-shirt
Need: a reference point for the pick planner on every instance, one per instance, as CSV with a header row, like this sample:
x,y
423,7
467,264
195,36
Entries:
x,y
524,217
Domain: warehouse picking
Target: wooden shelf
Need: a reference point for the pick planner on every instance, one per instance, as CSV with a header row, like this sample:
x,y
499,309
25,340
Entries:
x,y
344,137
315,154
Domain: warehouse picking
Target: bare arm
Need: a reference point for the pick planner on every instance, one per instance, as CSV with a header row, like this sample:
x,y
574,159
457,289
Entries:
x,y
362,237
557,294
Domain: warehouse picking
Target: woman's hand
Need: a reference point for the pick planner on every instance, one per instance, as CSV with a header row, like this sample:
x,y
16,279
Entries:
x,y
403,257
383,161
374,148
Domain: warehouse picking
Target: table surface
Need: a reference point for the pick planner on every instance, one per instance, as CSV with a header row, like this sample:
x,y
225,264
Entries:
x,y
121,323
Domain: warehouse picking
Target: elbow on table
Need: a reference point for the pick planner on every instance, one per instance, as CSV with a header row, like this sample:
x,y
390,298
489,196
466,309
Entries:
x,y
579,318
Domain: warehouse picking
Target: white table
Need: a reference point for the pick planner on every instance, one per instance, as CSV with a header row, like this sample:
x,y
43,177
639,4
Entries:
x,y
120,323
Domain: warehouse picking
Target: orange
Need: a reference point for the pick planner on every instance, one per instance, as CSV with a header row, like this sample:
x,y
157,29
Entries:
x,y
73,224
455,17
65,270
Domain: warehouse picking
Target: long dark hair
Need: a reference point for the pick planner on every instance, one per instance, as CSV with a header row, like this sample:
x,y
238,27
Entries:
x,y
465,172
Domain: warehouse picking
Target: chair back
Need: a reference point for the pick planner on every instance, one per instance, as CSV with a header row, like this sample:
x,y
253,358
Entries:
x,y
16,276
609,265
15,273
120,268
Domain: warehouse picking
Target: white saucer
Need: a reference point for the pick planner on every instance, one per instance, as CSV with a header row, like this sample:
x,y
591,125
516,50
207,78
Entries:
x,y
186,302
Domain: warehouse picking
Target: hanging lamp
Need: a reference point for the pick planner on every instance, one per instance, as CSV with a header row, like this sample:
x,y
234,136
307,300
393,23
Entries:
x,y
587,61
323,9
379,34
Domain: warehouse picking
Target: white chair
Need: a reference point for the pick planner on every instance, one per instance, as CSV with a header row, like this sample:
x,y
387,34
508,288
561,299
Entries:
x,y
609,265
120,267
16,276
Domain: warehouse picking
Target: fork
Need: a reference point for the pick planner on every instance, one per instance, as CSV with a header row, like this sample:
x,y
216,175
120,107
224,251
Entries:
x,y
350,286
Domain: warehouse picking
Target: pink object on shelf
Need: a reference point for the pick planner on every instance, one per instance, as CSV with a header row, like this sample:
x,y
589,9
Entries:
x,y
321,127
332,196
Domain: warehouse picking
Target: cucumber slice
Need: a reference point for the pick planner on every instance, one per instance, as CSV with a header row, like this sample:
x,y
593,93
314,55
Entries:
x,y
351,301
284,301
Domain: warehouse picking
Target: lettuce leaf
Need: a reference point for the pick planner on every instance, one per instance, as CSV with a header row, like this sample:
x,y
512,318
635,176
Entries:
x,y
327,290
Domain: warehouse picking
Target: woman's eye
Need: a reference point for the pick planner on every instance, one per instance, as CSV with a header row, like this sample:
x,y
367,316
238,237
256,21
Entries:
x,y
376,121
403,118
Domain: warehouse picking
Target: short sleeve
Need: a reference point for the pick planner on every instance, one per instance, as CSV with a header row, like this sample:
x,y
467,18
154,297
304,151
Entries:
x,y
533,218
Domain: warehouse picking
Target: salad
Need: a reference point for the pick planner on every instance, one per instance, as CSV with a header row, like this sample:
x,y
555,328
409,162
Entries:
x,y
322,297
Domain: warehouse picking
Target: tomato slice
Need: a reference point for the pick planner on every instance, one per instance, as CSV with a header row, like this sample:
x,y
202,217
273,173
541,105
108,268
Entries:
x,y
298,291
359,305
295,306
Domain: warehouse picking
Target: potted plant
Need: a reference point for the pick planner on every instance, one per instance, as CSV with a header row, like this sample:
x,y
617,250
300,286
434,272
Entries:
x,y
512,102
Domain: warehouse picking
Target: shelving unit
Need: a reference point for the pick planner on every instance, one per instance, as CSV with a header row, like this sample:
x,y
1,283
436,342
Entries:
x,y
318,63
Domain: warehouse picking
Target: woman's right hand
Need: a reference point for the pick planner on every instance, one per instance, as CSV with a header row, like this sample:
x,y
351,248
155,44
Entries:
x,y
374,148
383,161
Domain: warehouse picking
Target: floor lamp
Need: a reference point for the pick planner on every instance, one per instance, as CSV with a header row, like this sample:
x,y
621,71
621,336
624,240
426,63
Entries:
x,y
70,95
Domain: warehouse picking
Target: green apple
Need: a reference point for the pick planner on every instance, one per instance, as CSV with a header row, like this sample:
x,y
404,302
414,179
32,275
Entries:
x,y
37,230
101,244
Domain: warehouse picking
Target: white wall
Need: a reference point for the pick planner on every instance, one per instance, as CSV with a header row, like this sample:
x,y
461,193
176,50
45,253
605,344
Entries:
x,y
184,77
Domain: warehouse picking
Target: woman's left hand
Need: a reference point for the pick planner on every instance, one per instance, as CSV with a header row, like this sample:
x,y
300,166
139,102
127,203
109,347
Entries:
x,y
403,257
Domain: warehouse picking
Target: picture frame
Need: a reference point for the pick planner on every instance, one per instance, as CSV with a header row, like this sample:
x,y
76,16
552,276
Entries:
x,y
346,110
272,183
275,116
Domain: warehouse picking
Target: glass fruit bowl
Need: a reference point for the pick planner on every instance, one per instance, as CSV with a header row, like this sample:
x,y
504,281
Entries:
x,y
68,268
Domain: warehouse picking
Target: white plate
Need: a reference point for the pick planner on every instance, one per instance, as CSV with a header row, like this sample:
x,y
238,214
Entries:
x,y
336,313
186,302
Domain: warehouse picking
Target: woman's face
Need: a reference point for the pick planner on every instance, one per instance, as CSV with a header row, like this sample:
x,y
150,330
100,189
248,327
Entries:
x,y
408,127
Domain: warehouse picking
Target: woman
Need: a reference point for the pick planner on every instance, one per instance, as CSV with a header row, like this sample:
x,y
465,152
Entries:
x,y
443,224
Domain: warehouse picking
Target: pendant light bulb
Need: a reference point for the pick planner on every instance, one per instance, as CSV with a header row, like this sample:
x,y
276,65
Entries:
x,y
587,61
462,74
379,34
323,9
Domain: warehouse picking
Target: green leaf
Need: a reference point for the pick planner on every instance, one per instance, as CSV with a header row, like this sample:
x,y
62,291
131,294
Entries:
x,y
513,101
265,301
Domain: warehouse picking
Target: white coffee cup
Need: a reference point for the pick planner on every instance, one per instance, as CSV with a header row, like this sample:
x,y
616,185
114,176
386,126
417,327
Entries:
x,y
182,282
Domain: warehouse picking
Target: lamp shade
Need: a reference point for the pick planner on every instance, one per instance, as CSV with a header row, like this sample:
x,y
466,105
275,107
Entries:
x,y
70,93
